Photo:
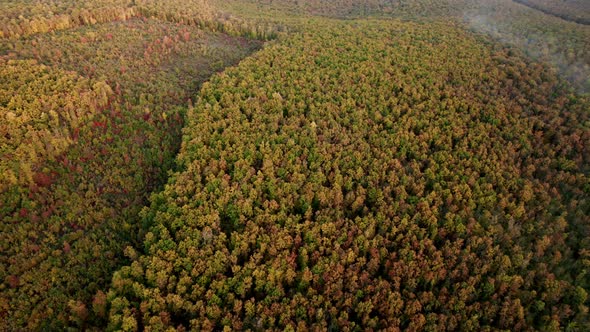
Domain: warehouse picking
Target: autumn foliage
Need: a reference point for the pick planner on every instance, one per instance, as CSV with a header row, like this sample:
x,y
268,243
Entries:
x,y
370,175
90,124
376,165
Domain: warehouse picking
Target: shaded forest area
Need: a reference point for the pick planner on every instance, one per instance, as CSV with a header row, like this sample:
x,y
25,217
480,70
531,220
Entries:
x,y
91,123
403,165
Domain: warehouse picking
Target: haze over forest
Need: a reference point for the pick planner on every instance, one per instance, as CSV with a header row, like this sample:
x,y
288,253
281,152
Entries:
x,y
416,165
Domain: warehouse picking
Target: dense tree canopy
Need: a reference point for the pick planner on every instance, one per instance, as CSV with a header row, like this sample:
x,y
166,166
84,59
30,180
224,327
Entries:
x,y
41,109
401,165
370,175
24,18
90,126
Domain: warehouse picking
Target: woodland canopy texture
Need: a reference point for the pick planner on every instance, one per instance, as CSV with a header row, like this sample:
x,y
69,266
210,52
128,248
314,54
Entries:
x,y
294,165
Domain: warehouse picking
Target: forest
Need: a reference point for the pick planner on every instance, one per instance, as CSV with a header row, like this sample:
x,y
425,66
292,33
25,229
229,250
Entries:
x,y
343,165
574,10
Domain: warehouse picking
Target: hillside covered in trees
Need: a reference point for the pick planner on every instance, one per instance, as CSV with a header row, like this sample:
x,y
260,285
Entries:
x,y
294,165
91,121
573,10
